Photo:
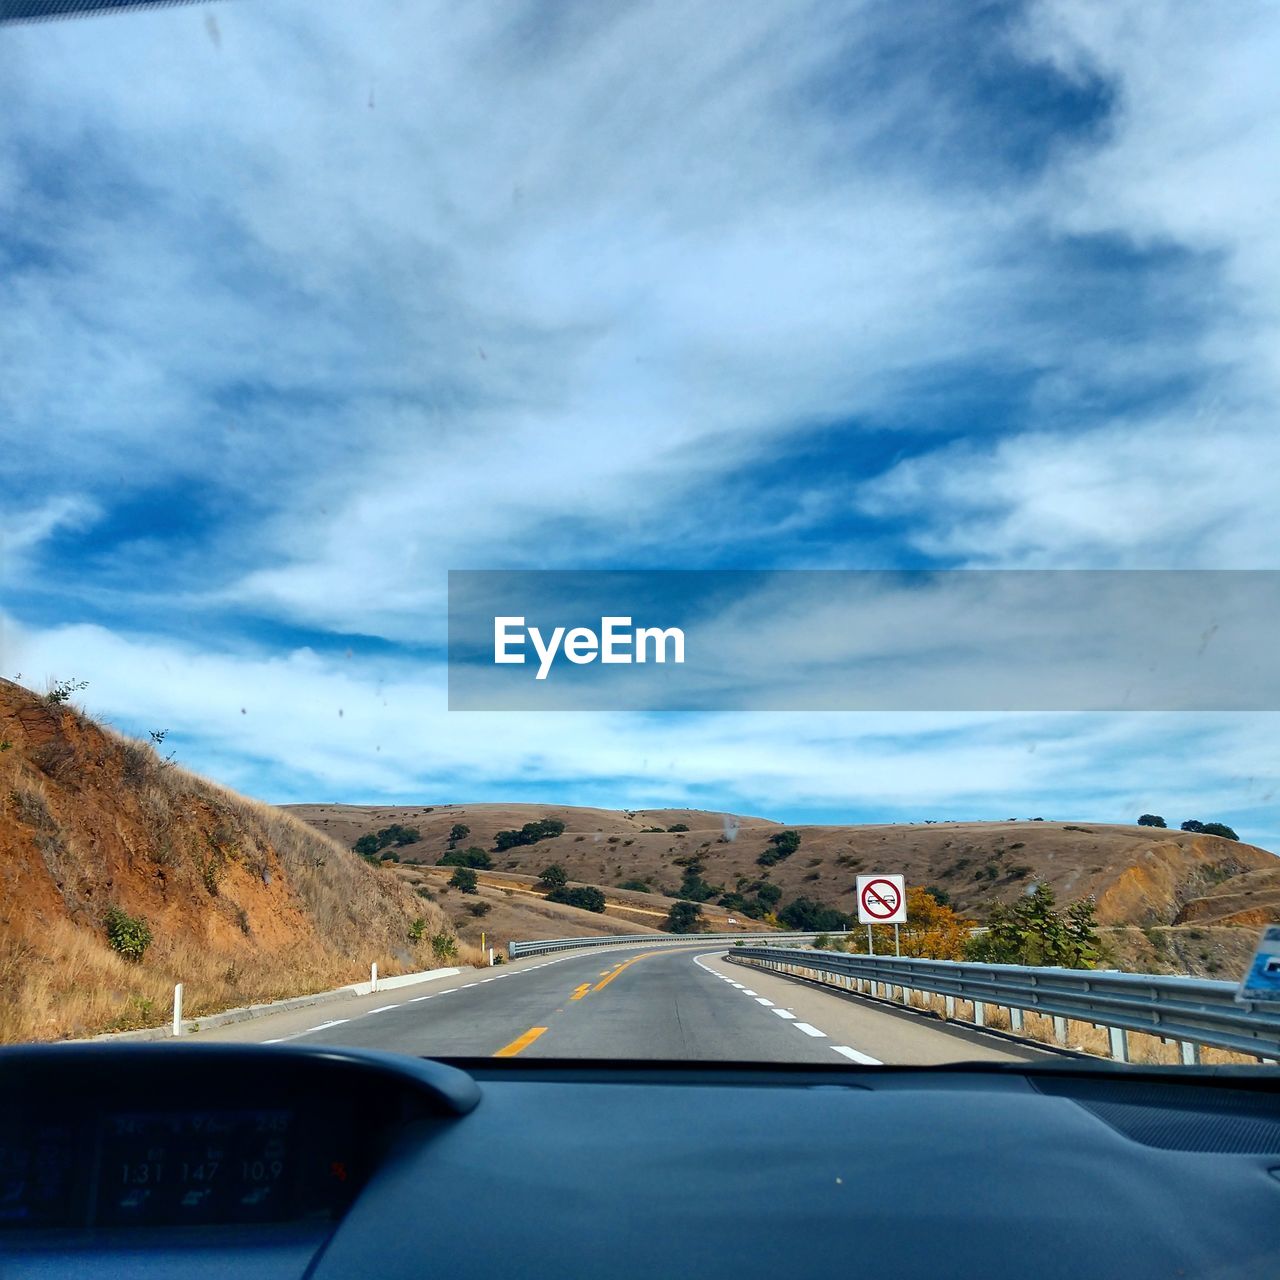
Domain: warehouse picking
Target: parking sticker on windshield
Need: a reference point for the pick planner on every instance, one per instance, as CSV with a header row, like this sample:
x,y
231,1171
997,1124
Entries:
x,y
1262,978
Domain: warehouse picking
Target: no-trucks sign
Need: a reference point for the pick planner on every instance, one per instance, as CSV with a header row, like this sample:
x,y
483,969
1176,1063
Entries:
x,y
882,899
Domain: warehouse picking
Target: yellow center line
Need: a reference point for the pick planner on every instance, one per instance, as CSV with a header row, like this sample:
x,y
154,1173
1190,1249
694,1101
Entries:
x,y
510,1050
604,982
579,992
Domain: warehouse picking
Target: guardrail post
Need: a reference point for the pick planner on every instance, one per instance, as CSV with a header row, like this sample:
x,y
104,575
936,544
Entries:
x,y
1189,1051
1119,1039
177,1010
979,1013
1060,1030
1015,1019
373,976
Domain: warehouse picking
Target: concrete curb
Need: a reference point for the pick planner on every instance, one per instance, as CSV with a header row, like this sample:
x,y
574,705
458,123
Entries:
x,y
193,1026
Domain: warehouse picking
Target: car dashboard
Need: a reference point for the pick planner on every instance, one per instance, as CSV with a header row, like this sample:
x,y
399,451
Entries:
x,y
283,1162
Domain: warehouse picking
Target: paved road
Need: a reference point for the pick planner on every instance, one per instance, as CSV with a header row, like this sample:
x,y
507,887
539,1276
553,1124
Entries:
x,y
678,1003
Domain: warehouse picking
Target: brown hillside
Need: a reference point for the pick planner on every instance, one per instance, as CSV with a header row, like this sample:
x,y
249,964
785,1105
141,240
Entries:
x,y
1138,875
244,902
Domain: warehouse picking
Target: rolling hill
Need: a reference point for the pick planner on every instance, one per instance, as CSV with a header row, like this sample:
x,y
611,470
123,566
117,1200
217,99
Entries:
x,y
1139,876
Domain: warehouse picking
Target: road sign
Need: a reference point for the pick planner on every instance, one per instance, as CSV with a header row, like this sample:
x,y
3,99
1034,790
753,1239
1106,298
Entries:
x,y
882,899
1262,978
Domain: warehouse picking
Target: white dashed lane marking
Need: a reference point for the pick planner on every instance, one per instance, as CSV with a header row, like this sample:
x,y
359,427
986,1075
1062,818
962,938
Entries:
x,y
382,1008
808,1030
768,1004
854,1056
784,1013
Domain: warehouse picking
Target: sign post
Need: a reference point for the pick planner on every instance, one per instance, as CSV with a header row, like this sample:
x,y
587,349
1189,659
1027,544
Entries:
x,y
882,899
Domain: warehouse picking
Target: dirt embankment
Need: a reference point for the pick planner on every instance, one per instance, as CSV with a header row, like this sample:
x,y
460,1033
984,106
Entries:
x,y
242,901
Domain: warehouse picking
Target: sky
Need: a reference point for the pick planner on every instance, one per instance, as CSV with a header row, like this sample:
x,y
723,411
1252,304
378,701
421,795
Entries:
x,y
304,304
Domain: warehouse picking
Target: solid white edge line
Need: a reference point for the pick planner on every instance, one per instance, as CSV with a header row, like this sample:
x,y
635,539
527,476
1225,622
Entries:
x,y
854,1056
809,1029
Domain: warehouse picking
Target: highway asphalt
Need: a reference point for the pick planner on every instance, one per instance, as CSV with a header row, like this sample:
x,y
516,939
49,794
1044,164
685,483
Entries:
x,y
676,1003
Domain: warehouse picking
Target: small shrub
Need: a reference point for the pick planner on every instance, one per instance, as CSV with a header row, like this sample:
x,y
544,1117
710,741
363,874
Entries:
x,y
678,826
637,886
444,946
126,934
417,930
479,909
60,691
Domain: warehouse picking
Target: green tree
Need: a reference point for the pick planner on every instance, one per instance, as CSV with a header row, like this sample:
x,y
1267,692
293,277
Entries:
x,y
1151,820
459,831
785,843
552,877
684,917
464,880
587,897
1032,931
1193,824
471,857
769,894
367,846
804,915
1219,829
530,833
677,826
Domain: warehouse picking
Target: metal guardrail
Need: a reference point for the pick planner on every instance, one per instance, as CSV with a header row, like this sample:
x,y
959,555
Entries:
x,y
517,949
1191,1011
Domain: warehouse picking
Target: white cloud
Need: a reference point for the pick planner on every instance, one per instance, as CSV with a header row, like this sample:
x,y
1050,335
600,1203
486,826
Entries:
x,y
395,738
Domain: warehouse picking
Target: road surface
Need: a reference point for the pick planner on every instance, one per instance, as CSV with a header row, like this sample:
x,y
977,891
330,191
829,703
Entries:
x,y
676,1003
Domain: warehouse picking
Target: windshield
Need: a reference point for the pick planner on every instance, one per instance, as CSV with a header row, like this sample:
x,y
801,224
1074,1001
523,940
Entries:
x,y
642,530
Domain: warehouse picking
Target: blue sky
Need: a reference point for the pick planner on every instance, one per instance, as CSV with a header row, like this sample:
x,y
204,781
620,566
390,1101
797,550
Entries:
x,y
305,304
